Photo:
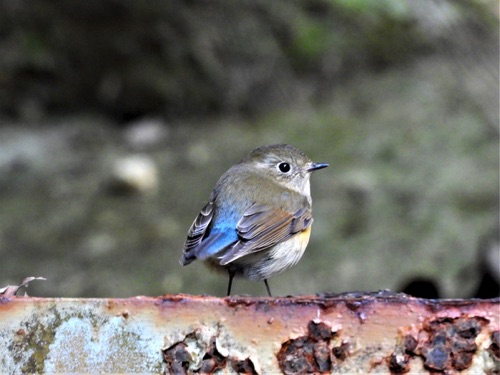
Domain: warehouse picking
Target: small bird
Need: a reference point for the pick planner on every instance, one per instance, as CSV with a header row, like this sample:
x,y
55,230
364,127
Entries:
x,y
257,221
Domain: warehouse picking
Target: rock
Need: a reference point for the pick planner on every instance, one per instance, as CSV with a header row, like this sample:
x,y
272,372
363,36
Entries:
x,y
146,133
134,174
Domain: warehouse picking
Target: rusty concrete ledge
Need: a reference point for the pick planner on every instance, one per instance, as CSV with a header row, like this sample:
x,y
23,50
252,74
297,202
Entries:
x,y
362,333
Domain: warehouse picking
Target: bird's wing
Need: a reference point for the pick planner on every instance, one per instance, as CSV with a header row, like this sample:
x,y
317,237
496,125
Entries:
x,y
262,227
197,232
207,238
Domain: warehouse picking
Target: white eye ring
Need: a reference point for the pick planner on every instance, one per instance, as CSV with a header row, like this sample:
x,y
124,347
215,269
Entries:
x,y
284,167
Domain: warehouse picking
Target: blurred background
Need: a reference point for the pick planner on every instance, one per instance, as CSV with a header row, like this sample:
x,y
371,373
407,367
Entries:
x,y
118,117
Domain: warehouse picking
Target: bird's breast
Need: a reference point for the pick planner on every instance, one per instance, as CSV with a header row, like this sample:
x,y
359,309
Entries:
x,y
286,254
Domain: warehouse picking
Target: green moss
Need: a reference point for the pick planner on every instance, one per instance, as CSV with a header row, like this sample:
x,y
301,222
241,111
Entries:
x,y
37,340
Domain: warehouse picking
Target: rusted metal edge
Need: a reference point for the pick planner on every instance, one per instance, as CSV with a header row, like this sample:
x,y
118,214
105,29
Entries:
x,y
355,332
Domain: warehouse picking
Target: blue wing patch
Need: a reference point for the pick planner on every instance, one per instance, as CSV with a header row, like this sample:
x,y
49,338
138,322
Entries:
x,y
218,240
209,235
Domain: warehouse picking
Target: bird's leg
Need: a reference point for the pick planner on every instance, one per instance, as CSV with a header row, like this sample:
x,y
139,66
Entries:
x,y
267,287
230,283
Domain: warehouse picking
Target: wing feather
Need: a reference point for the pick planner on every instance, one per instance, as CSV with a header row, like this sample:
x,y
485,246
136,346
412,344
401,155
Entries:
x,y
262,227
197,232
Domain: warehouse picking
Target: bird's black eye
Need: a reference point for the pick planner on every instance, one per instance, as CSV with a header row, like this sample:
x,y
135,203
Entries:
x,y
284,167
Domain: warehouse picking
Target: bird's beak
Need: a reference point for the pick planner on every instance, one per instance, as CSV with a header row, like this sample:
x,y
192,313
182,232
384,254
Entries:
x,y
316,166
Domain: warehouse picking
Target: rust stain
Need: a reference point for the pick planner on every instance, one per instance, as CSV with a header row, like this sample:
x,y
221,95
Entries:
x,y
399,360
342,351
244,367
308,354
21,332
174,300
410,344
212,360
445,344
399,363
495,344
451,343
179,360
247,301
465,306
361,303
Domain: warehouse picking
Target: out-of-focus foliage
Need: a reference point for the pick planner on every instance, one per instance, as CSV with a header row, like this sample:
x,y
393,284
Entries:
x,y
195,57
